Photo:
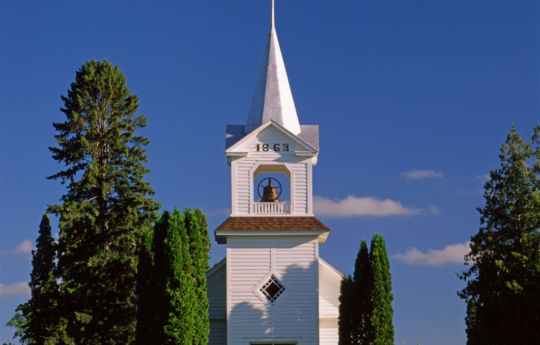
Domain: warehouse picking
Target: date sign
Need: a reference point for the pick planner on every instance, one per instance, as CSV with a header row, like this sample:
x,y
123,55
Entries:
x,y
272,147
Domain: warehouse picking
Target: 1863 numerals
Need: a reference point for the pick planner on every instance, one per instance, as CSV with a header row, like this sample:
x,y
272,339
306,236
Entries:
x,y
273,147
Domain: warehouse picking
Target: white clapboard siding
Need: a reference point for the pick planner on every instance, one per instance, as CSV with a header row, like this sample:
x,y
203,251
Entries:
x,y
218,332
217,292
242,184
300,189
328,332
250,262
329,290
329,286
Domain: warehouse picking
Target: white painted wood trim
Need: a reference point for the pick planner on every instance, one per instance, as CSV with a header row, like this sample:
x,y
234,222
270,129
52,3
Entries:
x,y
292,187
261,128
236,154
321,234
234,206
228,293
257,287
216,268
304,153
331,268
316,259
309,189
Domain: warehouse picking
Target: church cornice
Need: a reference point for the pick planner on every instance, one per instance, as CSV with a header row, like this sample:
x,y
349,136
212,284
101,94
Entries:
x,y
309,148
271,226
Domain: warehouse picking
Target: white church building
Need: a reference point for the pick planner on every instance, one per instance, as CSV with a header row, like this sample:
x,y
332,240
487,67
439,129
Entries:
x,y
272,287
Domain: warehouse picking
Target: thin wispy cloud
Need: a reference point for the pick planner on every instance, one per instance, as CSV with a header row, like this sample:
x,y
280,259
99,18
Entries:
x,y
434,210
451,254
421,174
482,178
23,248
353,206
15,289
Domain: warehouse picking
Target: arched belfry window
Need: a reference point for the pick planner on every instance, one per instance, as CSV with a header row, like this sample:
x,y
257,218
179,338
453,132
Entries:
x,y
271,190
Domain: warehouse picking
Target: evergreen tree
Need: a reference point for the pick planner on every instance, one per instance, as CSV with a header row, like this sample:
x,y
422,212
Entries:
x,y
158,298
346,311
145,291
179,326
199,244
502,291
171,283
362,332
106,205
36,320
381,294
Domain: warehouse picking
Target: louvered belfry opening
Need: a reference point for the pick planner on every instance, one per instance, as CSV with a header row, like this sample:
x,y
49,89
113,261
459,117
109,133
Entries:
x,y
272,289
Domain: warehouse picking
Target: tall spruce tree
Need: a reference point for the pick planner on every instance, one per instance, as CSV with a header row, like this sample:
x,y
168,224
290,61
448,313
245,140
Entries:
x,y
106,205
502,291
381,294
37,320
362,327
199,245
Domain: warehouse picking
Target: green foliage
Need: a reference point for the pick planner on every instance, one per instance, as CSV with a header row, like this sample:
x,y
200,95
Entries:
x,y
106,206
37,320
502,293
179,325
199,244
171,284
145,291
365,311
381,294
20,324
363,281
346,311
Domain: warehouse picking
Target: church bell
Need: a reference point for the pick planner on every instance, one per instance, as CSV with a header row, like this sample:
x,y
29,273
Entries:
x,y
269,193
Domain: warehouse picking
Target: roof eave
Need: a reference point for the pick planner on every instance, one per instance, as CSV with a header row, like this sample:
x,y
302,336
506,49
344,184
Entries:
x,y
221,235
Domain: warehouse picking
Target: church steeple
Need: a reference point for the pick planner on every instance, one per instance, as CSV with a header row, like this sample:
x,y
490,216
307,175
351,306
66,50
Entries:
x,y
273,98
272,287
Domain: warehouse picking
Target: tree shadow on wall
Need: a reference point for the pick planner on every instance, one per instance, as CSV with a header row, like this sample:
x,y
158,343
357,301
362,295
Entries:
x,y
291,312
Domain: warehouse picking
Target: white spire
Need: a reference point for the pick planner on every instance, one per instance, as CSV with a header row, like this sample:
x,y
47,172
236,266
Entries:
x,y
273,99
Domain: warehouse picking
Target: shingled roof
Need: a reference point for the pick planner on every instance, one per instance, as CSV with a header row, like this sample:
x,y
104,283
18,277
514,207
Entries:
x,y
270,224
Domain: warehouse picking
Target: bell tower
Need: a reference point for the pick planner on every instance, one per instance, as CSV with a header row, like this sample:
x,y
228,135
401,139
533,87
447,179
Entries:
x,y
272,235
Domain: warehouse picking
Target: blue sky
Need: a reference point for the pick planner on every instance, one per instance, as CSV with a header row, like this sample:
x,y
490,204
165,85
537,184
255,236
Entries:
x,y
413,99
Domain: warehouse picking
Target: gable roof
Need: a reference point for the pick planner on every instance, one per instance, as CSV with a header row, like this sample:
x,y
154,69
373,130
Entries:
x,y
338,273
284,130
217,267
309,134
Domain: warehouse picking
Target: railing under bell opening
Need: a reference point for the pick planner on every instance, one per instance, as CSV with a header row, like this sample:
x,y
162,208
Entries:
x,y
271,207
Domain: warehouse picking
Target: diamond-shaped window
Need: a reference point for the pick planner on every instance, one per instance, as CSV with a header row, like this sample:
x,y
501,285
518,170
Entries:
x,y
272,289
